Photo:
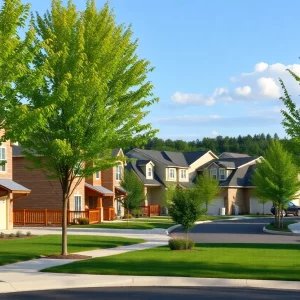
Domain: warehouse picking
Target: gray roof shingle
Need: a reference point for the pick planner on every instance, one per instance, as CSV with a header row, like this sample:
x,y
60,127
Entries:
x,y
100,189
12,186
233,155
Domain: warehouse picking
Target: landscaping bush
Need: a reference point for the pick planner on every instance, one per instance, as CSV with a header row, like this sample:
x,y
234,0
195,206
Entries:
x,y
2,235
19,233
127,216
11,235
137,212
28,233
83,221
181,243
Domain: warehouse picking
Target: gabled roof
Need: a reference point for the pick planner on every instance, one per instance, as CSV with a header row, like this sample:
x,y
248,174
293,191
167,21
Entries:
x,y
116,151
229,163
140,174
240,177
100,189
232,155
12,186
143,162
170,158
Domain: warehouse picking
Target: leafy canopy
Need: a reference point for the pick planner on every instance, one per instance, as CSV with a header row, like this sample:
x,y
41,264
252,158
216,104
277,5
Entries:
x,y
276,176
134,189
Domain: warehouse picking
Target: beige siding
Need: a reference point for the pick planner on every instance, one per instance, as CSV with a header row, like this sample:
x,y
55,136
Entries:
x,y
201,161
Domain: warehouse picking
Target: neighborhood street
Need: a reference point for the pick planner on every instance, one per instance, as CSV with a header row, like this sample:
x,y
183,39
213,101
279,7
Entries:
x,y
238,231
166,293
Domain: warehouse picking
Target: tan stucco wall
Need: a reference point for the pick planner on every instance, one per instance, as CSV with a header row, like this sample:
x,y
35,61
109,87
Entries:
x,y
155,195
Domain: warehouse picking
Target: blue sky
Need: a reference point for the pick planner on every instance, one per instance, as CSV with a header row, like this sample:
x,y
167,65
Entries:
x,y
217,62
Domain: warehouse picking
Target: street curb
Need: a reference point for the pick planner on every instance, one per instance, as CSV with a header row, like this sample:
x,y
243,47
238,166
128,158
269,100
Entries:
x,y
170,229
143,281
279,232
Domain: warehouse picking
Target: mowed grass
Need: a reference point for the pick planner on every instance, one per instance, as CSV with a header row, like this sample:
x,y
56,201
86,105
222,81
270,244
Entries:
x,y
130,225
21,249
284,229
247,261
212,218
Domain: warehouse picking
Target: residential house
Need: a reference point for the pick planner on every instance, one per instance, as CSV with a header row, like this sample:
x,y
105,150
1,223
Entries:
x,y
234,172
97,193
10,191
157,169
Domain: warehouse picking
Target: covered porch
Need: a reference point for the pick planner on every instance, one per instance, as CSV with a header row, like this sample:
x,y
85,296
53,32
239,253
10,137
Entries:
x,y
9,192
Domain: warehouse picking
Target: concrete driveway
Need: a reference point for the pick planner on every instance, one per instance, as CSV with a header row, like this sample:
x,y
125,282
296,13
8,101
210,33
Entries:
x,y
238,231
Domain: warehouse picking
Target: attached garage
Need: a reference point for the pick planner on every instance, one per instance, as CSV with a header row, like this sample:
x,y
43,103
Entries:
x,y
215,206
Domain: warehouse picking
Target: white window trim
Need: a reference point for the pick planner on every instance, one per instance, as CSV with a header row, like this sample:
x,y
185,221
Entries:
x,y
77,196
118,173
213,172
169,173
223,169
149,174
183,171
97,175
5,159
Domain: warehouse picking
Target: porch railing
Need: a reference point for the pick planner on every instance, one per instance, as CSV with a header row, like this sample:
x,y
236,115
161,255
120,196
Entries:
x,y
150,210
52,217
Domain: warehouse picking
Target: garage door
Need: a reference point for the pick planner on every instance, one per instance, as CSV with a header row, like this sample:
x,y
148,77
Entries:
x,y
257,207
214,208
2,214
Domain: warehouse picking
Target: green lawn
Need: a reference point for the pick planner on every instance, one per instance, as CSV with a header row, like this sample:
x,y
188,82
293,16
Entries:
x,y
211,218
130,225
28,248
284,229
248,261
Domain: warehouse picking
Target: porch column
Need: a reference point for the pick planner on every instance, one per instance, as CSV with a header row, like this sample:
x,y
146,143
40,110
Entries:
x,y
146,196
100,207
9,209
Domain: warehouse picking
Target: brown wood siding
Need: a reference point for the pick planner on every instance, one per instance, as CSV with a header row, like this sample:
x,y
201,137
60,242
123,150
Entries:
x,y
45,194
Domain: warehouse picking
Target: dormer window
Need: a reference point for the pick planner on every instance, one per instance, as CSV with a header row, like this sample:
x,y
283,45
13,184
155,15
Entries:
x,y
149,172
171,173
213,173
222,173
183,174
2,159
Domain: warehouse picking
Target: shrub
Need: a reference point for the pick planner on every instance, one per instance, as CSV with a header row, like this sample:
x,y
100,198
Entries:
x,y
11,235
2,235
19,233
180,244
129,216
83,221
137,212
28,233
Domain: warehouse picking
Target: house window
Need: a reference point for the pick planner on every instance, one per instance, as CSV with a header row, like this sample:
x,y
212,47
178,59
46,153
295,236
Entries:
x,y
2,159
171,173
183,174
213,173
150,172
77,203
97,175
222,173
118,173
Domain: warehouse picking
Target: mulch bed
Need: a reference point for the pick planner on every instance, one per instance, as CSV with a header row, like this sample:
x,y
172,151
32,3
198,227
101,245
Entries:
x,y
69,256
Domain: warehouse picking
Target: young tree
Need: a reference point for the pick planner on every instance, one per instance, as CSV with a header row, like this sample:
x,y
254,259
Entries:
x,y
135,191
206,189
90,95
15,53
185,209
276,179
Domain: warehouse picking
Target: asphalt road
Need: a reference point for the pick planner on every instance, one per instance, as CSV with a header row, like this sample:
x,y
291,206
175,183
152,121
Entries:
x,y
165,293
238,231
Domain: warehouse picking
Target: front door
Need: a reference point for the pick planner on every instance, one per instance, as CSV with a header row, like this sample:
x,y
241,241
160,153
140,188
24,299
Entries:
x,y
119,207
3,214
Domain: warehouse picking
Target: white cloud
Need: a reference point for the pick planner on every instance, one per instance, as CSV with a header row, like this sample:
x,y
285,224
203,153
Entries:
x,y
192,99
243,91
260,67
268,87
214,133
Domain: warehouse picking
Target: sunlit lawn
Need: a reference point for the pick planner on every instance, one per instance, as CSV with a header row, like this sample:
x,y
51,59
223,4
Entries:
x,y
248,261
28,248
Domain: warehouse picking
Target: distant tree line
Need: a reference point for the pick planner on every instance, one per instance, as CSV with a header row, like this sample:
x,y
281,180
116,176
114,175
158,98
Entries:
x,y
254,145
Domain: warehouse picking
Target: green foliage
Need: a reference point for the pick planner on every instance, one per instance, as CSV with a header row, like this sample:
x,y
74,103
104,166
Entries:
x,y
185,209
276,177
254,145
169,192
82,221
134,189
181,244
86,92
206,189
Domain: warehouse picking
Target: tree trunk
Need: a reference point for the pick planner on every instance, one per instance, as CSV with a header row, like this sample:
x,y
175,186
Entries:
x,y
186,240
64,250
263,208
